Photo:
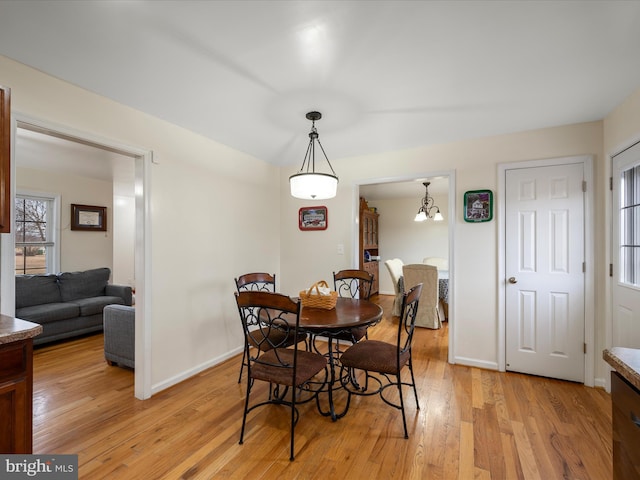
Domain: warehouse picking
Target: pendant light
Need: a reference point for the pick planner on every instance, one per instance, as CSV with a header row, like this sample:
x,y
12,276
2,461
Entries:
x,y
427,207
307,183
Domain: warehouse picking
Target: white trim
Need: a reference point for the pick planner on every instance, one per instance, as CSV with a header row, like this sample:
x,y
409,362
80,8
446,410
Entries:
x,y
451,175
143,160
589,253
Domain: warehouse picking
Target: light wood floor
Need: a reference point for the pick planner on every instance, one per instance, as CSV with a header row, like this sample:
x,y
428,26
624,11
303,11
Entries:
x,y
472,424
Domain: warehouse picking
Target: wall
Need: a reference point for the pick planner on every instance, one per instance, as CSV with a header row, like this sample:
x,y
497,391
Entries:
x,y
202,235
475,163
78,250
401,237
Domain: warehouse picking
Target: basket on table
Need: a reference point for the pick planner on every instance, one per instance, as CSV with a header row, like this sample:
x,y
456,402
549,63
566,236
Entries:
x,y
314,299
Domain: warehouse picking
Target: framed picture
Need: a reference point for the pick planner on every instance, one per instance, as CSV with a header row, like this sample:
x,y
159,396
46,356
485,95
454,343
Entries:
x,y
88,218
478,206
312,218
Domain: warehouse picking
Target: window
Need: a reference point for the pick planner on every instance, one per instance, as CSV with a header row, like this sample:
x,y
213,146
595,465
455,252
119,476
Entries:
x,y
35,248
630,226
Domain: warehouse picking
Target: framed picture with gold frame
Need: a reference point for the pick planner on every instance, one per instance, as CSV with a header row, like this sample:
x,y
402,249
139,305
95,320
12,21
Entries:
x,y
88,218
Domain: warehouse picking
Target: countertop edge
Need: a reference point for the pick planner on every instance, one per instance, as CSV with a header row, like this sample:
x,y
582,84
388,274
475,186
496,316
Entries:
x,y
625,361
14,329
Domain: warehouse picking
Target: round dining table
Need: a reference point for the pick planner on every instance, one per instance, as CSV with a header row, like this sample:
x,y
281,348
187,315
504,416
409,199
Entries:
x,y
331,324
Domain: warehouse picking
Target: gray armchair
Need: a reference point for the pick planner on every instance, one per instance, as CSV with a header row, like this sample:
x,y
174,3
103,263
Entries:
x,y
119,335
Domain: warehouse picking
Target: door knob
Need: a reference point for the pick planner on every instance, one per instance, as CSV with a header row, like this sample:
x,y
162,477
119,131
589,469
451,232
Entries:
x,y
513,280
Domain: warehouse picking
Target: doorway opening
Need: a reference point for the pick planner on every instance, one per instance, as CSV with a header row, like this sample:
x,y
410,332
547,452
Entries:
x,y
134,160
402,196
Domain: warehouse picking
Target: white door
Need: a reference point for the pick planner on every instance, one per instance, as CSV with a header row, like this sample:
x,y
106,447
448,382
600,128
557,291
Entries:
x,y
544,261
625,293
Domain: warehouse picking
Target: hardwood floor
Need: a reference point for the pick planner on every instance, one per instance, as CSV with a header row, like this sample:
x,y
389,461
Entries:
x,y
472,423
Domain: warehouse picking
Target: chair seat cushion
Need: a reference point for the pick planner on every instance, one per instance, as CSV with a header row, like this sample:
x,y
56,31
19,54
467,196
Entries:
x,y
265,368
354,335
374,356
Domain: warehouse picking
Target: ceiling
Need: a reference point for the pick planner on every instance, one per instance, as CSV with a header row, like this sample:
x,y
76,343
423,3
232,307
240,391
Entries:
x,y
386,75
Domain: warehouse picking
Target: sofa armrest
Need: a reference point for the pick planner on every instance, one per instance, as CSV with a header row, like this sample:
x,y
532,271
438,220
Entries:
x,y
119,334
123,291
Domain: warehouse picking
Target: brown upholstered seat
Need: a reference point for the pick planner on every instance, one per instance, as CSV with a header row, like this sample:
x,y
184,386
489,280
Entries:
x,y
382,360
302,373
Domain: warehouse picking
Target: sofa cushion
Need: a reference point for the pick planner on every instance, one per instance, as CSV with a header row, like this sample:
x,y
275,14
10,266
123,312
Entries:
x,y
90,283
93,305
36,289
48,312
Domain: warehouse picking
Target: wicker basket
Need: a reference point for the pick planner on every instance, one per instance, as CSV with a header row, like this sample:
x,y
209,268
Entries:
x,y
315,300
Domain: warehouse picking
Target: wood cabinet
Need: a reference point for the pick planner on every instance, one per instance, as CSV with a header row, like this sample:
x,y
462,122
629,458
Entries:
x,y
16,391
5,160
368,241
16,384
625,402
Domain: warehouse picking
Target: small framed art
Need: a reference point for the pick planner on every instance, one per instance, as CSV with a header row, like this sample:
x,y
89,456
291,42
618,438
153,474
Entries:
x,y
312,218
88,218
478,206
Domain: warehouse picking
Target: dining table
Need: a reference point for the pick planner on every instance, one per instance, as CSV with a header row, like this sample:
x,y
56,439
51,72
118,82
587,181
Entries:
x,y
331,325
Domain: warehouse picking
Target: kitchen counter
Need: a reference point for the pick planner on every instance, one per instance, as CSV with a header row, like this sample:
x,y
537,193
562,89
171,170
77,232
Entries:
x,y
13,329
625,411
626,361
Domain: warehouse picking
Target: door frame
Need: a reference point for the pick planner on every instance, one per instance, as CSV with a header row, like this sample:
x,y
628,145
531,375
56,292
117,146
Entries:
x,y
589,252
143,159
451,175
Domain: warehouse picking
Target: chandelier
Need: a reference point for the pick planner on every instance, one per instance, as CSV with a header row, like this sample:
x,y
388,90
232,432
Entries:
x,y
427,207
307,183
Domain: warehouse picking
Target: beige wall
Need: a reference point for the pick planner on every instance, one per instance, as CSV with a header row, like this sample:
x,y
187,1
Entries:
x,y
212,218
78,250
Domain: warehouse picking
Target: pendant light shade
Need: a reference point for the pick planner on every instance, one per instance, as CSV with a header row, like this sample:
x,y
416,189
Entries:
x,y
308,184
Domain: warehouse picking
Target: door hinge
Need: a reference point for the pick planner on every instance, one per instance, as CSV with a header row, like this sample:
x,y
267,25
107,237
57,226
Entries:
x,y
584,267
611,269
584,185
585,347
611,183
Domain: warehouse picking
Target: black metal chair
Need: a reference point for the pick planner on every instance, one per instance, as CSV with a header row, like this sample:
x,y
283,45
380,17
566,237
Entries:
x,y
383,362
258,282
298,371
353,284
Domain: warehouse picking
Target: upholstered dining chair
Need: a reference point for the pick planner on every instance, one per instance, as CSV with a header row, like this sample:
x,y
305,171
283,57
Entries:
x,y
428,314
438,262
442,264
353,284
383,362
395,270
298,371
258,282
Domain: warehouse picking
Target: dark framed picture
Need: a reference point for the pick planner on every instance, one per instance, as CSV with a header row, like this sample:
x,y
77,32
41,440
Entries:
x,y
478,206
312,218
88,218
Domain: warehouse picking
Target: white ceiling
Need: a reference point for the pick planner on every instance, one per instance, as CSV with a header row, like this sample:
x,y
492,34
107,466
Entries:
x,y
386,75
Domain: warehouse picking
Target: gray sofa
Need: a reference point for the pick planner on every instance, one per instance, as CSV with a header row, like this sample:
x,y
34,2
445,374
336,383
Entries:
x,y
67,304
